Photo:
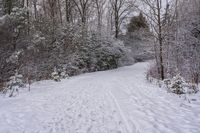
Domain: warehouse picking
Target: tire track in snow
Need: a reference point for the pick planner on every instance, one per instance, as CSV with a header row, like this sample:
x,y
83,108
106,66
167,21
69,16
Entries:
x,y
120,112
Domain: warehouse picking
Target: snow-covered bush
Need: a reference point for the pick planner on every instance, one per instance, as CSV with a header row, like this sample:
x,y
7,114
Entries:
x,y
55,75
96,54
62,72
178,85
167,83
106,56
45,50
141,45
191,88
12,88
13,41
64,75
126,54
18,17
14,58
59,74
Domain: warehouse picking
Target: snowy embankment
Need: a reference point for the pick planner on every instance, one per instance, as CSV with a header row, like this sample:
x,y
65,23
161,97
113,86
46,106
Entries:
x,y
117,101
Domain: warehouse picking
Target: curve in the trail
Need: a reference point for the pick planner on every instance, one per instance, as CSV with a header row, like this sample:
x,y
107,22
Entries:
x,y
116,101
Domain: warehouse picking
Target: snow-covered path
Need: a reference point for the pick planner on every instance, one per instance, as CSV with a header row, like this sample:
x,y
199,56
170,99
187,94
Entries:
x,y
116,101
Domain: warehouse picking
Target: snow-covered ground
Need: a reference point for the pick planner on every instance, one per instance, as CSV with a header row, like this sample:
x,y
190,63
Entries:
x,y
116,101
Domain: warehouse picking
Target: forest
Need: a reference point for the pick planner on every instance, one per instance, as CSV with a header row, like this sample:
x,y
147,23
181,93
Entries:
x,y
41,38
99,66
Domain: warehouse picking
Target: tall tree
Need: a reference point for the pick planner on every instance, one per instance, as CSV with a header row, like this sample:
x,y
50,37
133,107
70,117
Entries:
x,y
83,7
8,5
53,12
35,8
121,9
100,6
155,15
68,10
60,11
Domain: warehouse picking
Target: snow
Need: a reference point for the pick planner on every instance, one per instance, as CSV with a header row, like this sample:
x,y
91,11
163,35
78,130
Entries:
x,y
116,101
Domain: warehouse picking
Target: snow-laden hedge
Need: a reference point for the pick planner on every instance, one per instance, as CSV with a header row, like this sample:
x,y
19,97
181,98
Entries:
x,y
36,52
98,54
12,87
176,85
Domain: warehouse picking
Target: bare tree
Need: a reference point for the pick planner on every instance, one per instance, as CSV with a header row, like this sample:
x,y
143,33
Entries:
x,y
53,11
100,6
83,7
35,8
8,5
121,9
155,16
60,12
68,10
176,27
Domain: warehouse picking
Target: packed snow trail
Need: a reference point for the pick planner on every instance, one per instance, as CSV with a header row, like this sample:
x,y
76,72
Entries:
x,y
116,101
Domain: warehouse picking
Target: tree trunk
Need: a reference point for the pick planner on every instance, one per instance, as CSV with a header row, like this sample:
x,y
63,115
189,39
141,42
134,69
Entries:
x,y
35,8
60,12
8,4
116,22
68,10
160,40
28,17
